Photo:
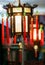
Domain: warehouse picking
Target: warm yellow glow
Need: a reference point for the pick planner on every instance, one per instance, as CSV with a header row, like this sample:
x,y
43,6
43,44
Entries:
x,y
27,10
9,11
12,24
36,47
31,19
34,25
39,34
26,23
30,34
18,24
34,34
20,44
19,9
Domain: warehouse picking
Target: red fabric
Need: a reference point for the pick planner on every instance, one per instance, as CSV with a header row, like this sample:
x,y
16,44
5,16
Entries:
x,y
7,32
42,38
2,31
24,28
14,39
31,33
26,41
37,27
31,40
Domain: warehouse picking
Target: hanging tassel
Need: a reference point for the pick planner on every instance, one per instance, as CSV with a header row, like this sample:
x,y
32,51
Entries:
x,y
7,32
31,33
2,31
42,38
24,28
14,39
26,41
37,27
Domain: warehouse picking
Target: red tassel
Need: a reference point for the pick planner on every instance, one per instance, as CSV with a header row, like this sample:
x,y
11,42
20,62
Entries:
x,y
37,27
7,32
2,31
14,39
31,33
24,28
26,41
42,38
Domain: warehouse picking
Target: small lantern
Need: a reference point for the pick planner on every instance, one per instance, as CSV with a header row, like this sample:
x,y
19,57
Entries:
x,y
20,46
36,49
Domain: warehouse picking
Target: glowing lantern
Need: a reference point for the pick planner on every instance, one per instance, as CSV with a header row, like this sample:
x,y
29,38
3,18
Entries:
x,y
36,49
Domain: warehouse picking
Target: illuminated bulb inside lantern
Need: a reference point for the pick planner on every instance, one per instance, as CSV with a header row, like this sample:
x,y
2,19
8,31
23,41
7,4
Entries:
x,y
36,49
20,44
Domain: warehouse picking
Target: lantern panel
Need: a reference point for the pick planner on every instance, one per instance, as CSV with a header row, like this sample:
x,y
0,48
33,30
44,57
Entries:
x,y
34,35
39,34
27,10
18,26
18,9
26,23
